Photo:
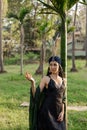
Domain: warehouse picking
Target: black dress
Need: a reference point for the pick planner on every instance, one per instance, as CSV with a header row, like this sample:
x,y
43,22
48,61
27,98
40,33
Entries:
x,y
51,107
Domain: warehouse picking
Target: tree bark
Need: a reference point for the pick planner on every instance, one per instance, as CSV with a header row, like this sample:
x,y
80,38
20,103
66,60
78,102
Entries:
x,y
64,55
21,46
64,42
1,48
86,38
73,69
42,59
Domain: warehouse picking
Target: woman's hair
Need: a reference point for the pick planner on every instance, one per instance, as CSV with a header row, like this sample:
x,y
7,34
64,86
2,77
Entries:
x,y
58,60
60,73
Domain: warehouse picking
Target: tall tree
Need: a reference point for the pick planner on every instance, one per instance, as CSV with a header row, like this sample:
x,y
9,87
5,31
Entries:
x,y
43,29
60,7
85,3
86,38
20,17
73,43
3,9
1,49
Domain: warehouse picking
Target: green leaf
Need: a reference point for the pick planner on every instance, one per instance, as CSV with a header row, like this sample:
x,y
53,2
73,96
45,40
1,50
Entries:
x,y
84,3
23,12
49,6
71,3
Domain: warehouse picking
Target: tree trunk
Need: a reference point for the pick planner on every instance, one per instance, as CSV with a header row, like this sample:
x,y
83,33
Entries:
x,y
40,68
42,58
64,42
43,51
73,69
21,45
86,38
1,48
64,55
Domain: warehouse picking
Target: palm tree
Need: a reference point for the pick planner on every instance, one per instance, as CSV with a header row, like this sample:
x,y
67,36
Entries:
x,y
43,29
60,7
20,17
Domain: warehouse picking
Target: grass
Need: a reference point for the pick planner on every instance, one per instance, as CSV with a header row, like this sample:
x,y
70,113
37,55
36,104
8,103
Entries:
x,y
77,120
14,90
77,82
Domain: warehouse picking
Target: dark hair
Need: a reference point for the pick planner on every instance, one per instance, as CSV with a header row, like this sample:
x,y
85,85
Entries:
x,y
61,73
55,58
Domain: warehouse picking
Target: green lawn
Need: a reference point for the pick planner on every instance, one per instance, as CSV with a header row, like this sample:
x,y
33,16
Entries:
x,y
77,84
14,90
77,120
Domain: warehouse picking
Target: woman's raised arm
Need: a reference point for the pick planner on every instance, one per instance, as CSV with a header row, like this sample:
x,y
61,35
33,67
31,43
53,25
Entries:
x,y
30,78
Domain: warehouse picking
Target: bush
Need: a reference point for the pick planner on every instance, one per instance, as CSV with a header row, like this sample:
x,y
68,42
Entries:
x,y
31,56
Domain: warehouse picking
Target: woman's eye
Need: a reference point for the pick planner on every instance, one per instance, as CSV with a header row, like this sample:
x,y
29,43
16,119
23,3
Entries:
x,y
55,64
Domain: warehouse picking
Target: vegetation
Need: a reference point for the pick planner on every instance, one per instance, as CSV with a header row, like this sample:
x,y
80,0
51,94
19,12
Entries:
x,y
28,58
61,7
14,90
77,84
14,87
77,120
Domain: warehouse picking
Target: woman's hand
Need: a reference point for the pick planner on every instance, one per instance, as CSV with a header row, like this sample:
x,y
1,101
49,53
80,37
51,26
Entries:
x,y
60,117
29,77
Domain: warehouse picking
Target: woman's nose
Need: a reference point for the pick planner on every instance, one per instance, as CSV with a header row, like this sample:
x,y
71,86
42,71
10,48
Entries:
x,y
52,66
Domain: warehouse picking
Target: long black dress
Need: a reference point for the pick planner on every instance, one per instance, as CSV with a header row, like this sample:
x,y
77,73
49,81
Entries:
x,y
51,107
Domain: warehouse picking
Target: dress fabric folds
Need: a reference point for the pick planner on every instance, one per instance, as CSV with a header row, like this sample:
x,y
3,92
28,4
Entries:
x,y
51,107
46,106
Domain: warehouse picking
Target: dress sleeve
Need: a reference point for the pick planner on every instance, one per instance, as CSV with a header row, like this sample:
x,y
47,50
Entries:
x,y
33,109
35,103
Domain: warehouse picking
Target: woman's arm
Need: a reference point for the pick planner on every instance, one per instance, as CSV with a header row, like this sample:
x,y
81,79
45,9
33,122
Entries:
x,y
61,115
62,108
43,83
33,88
30,78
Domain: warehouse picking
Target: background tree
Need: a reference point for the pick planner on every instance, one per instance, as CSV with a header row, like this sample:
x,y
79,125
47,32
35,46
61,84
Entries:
x,y
3,5
20,17
43,29
73,43
86,37
85,3
1,53
60,7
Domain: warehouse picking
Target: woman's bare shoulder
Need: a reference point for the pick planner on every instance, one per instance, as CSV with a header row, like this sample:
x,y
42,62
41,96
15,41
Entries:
x,y
44,82
46,79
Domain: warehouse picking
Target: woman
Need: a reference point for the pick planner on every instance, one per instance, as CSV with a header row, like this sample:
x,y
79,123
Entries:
x,y
51,110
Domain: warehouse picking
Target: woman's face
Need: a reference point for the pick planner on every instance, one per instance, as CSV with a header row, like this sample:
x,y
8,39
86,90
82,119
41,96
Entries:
x,y
54,67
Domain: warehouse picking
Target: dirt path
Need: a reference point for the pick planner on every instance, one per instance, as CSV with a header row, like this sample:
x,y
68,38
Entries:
x,y
75,108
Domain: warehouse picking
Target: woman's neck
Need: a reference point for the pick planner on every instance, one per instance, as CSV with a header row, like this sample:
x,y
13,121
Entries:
x,y
55,76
